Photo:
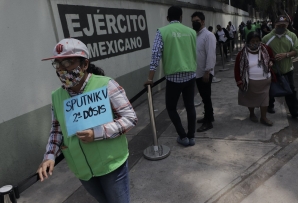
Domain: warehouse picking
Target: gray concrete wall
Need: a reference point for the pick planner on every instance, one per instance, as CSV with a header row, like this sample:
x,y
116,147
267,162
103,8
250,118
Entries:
x,y
29,31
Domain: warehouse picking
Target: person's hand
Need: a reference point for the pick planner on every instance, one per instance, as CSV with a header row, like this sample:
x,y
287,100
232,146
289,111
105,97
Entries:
x,y
148,82
43,167
241,87
206,77
86,136
270,63
280,56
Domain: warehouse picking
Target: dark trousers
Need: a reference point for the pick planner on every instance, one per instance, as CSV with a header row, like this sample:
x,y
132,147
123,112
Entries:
x,y
205,92
290,99
233,44
173,91
224,47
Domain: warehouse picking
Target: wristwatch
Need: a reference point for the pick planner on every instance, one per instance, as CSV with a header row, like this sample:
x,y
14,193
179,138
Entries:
x,y
287,55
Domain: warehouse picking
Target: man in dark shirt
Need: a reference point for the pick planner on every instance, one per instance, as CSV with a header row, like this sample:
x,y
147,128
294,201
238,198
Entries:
x,y
241,30
265,29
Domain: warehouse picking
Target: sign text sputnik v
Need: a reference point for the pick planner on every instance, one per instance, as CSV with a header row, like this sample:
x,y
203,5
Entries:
x,y
107,32
87,110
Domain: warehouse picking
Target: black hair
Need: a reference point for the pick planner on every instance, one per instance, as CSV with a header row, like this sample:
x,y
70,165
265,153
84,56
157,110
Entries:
x,y
92,68
253,35
174,13
198,14
210,28
95,70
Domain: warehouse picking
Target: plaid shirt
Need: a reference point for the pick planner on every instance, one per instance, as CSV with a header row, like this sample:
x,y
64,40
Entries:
x,y
125,119
157,55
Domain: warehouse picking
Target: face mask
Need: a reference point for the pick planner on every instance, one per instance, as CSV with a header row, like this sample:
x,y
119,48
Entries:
x,y
280,30
196,26
70,78
254,46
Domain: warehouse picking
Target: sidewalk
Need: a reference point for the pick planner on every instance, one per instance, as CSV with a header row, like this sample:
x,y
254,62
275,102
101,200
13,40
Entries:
x,y
227,163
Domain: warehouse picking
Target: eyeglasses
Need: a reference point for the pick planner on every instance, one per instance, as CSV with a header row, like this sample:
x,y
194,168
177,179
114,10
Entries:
x,y
65,64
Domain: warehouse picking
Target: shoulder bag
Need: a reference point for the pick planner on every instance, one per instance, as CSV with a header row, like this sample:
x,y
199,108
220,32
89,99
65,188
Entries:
x,y
281,87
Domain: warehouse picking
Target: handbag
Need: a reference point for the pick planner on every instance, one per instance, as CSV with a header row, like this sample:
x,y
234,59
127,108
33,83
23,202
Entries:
x,y
280,88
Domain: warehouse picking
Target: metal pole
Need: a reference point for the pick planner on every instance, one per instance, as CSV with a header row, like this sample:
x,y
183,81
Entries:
x,y
240,41
152,116
237,44
7,194
231,50
222,58
155,152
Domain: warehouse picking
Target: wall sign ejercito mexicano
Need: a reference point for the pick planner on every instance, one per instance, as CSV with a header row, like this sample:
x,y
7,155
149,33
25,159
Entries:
x,y
107,32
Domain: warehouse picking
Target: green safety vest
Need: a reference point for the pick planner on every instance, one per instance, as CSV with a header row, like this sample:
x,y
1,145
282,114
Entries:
x,y
246,30
92,159
179,51
258,26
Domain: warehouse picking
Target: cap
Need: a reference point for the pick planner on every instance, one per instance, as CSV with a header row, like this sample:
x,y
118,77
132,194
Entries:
x,y
69,47
282,19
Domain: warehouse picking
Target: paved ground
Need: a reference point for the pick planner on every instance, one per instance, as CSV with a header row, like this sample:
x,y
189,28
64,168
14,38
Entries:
x,y
236,161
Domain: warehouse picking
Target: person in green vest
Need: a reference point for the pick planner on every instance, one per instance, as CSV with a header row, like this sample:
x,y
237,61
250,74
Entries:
x,y
258,25
175,44
284,44
249,28
97,155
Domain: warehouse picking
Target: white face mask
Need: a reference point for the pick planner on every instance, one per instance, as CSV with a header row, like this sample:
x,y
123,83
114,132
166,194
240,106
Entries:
x,y
70,78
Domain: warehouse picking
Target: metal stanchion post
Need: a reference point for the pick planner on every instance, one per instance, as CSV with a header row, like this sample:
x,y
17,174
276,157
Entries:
x,y
231,50
155,152
237,44
222,58
7,194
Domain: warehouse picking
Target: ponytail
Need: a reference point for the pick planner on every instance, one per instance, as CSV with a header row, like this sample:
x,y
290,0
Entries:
x,y
95,70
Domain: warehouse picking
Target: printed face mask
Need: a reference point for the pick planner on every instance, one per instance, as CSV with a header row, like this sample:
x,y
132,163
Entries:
x,y
70,78
196,26
280,30
254,46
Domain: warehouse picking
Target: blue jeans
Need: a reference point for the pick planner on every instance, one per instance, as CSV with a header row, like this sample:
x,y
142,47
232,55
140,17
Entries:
x,y
110,188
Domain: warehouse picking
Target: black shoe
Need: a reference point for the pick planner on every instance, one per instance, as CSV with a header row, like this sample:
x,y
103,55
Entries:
x,y
202,120
205,126
270,110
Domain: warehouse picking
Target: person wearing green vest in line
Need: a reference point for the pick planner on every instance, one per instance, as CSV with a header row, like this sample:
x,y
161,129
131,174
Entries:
x,y
98,155
175,44
249,28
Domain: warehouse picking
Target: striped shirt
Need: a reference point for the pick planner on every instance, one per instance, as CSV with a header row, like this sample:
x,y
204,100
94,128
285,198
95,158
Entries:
x,y
157,55
125,119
